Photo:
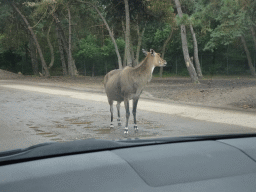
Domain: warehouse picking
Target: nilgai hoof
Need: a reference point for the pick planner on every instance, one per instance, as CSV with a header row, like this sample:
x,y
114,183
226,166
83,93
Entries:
x,y
119,122
111,126
136,128
126,130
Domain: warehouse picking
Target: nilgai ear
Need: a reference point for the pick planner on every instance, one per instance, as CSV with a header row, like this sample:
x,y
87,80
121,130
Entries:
x,y
145,52
153,53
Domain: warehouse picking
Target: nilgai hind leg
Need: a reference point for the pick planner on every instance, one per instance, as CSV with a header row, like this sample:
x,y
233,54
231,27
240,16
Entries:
x,y
126,105
111,111
118,113
135,102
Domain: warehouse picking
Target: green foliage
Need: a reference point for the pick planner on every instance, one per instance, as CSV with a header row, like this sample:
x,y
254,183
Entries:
x,y
109,50
89,48
184,20
218,24
1,47
231,22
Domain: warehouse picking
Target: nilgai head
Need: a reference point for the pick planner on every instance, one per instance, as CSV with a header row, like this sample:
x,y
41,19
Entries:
x,y
156,59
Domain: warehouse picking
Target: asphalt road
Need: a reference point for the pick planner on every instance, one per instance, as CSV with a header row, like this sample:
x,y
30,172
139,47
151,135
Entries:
x,y
34,114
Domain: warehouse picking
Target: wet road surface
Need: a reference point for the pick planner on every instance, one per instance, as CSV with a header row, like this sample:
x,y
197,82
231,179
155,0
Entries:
x,y
29,117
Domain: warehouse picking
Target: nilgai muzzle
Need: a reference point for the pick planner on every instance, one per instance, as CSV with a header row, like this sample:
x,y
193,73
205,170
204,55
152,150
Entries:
x,y
127,84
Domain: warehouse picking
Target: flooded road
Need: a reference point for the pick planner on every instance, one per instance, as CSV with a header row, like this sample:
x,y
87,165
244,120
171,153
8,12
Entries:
x,y
30,115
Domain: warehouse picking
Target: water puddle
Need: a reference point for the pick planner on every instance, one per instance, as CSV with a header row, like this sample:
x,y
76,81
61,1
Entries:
x,y
103,131
82,123
61,126
88,127
34,127
43,133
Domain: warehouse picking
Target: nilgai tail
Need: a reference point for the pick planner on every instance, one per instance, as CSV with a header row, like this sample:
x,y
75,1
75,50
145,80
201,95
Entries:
x,y
128,83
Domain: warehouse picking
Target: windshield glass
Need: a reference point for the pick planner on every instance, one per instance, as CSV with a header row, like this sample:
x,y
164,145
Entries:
x,y
114,70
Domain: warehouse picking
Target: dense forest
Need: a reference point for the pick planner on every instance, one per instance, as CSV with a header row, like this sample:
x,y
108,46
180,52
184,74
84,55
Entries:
x,y
92,37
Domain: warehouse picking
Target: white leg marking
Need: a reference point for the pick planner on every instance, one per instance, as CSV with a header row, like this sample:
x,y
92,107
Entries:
x,y
119,122
126,130
136,128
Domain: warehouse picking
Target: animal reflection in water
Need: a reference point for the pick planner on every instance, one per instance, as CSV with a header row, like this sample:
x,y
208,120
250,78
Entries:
x,y
127,84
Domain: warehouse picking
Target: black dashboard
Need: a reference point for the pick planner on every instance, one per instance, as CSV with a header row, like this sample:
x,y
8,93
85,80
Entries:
x,y
196,165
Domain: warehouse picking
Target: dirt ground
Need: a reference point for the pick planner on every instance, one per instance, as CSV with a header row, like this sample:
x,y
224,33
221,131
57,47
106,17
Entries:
x,y
237,93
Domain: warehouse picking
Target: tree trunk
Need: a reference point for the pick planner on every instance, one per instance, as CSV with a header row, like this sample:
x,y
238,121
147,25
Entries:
x,y
253,36
62,57
127,34
47,74
132,54
93,70
140,36
50,46
252,69
163,51
109,31
125,51
61,32
32,50
64,41
189,64
70,64
198,68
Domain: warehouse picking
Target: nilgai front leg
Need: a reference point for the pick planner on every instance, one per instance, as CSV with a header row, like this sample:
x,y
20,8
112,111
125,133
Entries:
x,y
135,102
126,105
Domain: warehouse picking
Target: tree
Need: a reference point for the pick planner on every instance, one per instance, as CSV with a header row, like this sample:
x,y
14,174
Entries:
x,y
32,51
127,34
62,57
70,59
110,32
47,74
188,62
248,56
50,46
198,68
163,50
234,22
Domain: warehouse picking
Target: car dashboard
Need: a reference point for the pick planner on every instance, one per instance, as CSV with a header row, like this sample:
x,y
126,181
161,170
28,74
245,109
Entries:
x,y
197,165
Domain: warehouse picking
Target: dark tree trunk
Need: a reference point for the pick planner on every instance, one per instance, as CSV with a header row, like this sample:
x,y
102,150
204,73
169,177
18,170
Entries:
x,y
198,68
163,51
61,32
189,64
64,41
51,48
253,36
62,57
47,74
140,36
32,50
252,69
70,60
125,51
127,34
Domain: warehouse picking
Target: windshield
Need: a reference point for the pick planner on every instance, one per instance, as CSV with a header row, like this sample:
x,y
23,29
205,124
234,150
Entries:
x,y
131,69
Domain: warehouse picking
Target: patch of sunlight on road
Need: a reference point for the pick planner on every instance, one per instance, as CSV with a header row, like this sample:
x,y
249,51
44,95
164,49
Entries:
x,y
199,113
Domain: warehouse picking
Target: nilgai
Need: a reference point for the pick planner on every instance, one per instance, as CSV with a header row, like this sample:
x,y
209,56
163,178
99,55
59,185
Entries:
x,y
127,84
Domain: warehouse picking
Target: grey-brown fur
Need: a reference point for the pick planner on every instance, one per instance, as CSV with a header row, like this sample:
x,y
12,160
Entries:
x,y
127,84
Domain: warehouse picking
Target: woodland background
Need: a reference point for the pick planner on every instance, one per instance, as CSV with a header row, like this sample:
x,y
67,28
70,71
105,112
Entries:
x,y
92,37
